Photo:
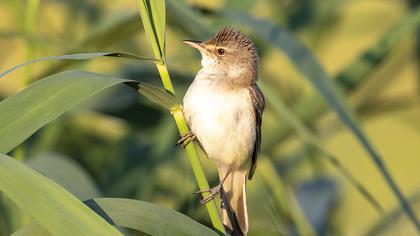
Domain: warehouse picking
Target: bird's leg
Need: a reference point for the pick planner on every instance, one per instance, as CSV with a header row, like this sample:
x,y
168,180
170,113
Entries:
x,y
186,139
213,191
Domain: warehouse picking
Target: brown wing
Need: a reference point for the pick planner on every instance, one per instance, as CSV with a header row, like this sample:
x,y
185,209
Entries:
x,y
258,103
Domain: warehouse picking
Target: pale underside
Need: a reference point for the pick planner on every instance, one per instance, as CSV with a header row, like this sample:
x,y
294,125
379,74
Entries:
x,y
222,119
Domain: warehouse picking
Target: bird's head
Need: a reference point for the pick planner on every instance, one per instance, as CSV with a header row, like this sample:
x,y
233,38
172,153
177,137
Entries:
x,y
229,52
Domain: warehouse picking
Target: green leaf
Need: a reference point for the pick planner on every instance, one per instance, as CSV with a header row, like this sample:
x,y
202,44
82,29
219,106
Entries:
x,y
48,203
33,229
281,109
157,95
79,56
153,17
147,217
138,215
308,66
43,101
66,172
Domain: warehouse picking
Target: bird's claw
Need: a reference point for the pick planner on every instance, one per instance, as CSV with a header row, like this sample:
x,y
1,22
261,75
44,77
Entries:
x,y
213,192
186,139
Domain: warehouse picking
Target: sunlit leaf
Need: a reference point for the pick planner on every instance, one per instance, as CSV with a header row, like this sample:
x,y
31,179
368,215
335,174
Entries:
x,y
33,229
79,56
43,101
141,216
47,203
157,95
66,172
153,18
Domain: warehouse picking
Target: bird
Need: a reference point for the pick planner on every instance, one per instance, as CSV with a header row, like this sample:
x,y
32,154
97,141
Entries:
x,y
223,108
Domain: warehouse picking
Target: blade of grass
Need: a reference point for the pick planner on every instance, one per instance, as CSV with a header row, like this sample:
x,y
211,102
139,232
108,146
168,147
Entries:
x,y
157,95
48,203
43,101
78,56
140,216
153,18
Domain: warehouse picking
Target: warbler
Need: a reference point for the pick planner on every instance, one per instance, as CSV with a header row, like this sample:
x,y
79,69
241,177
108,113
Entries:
x,y
223,108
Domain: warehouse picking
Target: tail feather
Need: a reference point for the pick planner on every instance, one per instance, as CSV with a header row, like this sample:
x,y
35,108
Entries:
x,y
234,193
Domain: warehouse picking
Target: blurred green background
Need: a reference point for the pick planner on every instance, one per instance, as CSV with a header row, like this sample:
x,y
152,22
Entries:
x,y
122,145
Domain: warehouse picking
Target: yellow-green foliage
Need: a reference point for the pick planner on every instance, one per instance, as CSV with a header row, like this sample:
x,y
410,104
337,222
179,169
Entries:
x,y
314,176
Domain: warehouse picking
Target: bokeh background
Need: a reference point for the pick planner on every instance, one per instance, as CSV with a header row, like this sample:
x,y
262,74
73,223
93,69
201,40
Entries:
x,y
120,144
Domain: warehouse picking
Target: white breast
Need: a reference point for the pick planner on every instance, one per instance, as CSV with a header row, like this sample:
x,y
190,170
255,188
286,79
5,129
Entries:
x,y
222,120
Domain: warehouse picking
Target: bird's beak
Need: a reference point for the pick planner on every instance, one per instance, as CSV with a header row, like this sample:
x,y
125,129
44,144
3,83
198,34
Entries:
x,y
194,43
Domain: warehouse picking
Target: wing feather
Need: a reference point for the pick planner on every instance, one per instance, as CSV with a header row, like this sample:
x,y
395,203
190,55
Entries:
x,y
258,103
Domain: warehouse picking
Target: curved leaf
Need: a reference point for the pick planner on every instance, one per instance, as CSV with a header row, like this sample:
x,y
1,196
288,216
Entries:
x,y
48,203
79,56
43,101
66,172
157,95
33,229
138,215
153,18
147,217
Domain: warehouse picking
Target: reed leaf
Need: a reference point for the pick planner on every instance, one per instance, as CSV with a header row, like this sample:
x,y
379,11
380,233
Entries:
x,y
157,95
78,56
152,14
55,209
140,216
43,101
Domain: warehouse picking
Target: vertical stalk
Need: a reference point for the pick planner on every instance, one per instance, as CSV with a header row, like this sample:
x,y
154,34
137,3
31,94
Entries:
x,y
164,75
153,17
197,168
191,149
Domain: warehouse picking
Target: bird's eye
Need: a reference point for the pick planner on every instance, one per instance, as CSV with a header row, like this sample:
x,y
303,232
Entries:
x,y
221,51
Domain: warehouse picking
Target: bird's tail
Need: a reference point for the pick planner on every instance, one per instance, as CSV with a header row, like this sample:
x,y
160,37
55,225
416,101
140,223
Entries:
x,y
235,219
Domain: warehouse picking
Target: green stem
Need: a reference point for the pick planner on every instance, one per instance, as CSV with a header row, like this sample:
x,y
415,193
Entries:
x,y
191,149
164,75
197,168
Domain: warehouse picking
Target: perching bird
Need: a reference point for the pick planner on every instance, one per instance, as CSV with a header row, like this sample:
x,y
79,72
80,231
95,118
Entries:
x,y
223,107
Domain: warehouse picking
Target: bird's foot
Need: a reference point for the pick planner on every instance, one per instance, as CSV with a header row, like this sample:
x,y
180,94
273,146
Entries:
x,y
186,139
213,192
